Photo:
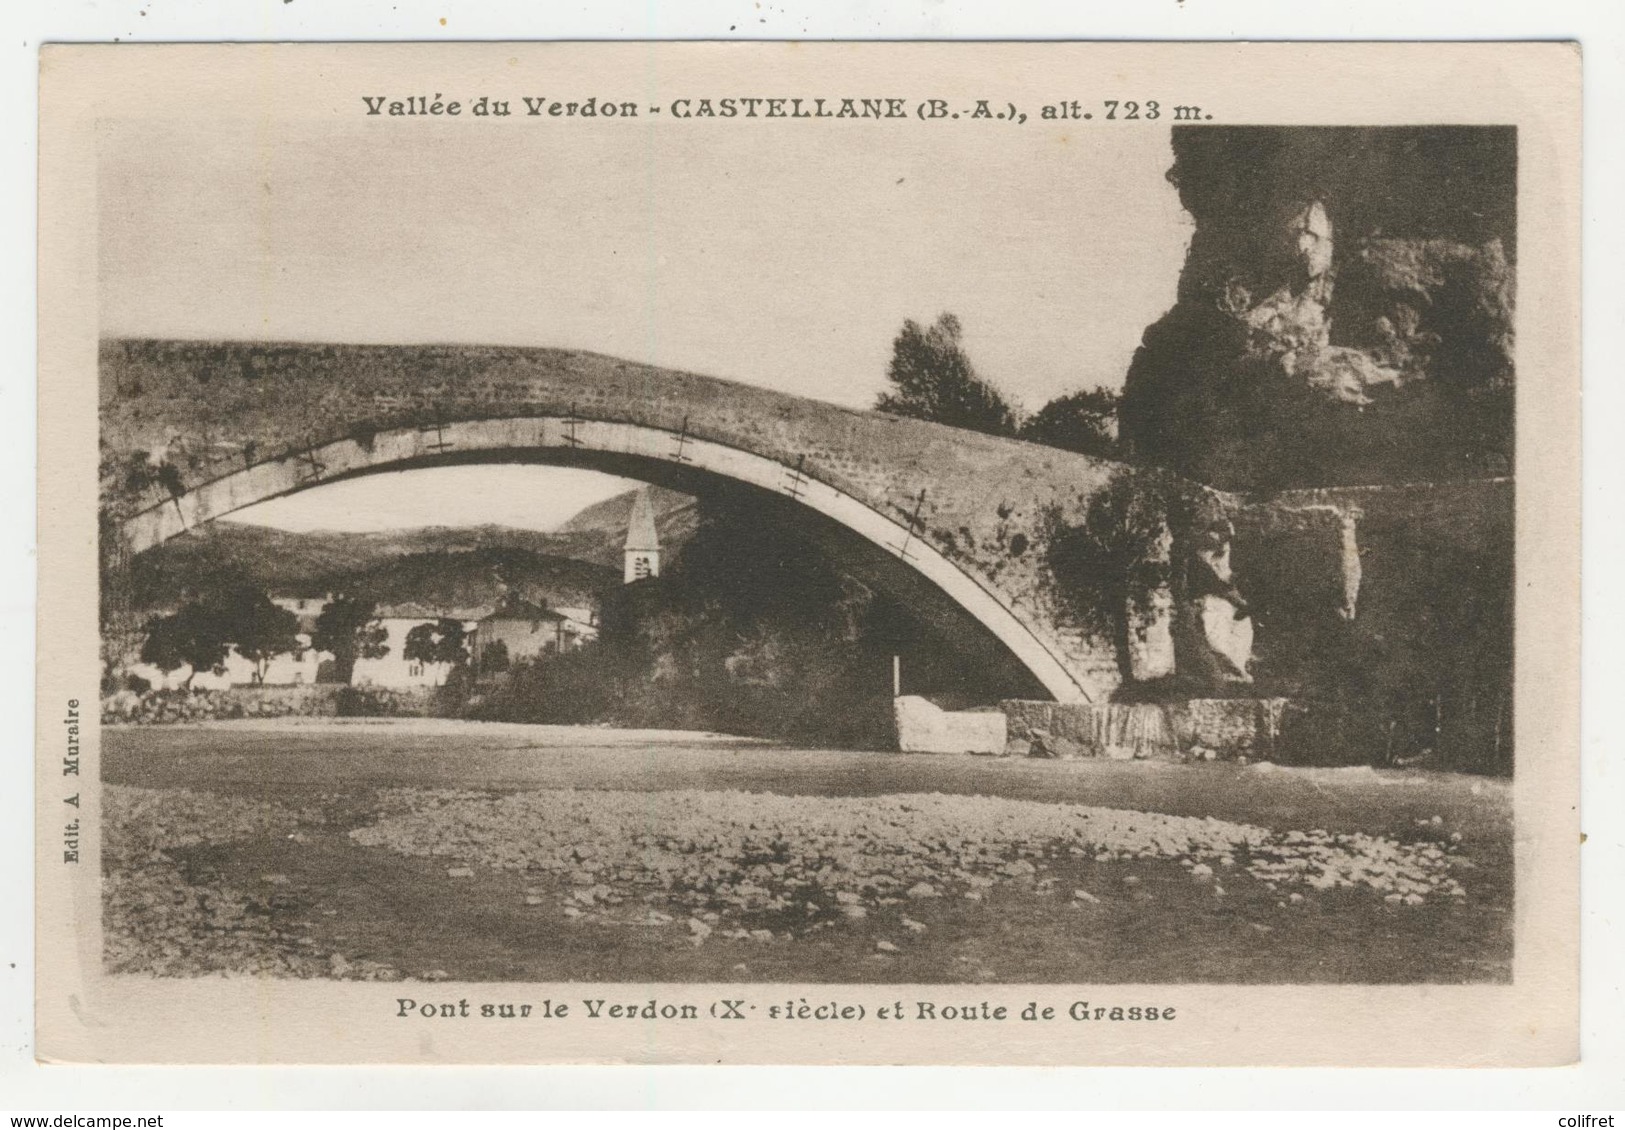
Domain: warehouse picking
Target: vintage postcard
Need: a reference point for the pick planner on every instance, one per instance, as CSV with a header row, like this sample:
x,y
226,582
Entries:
x,y
1018,553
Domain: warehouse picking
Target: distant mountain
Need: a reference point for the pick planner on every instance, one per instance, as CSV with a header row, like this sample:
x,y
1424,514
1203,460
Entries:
x,y
598,533
469,578
437,565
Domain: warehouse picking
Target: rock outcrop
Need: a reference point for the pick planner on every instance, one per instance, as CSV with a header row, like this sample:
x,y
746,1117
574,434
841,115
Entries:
x,y
1345,310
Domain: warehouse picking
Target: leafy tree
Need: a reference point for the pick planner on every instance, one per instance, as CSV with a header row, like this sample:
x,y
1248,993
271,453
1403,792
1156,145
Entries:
x,y
573,687
1084,421
754,631
442,641
259,628
1110,566
494,658
348,627
195,635
935,380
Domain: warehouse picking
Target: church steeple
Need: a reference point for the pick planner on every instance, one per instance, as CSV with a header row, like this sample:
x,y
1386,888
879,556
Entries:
x,y
642,540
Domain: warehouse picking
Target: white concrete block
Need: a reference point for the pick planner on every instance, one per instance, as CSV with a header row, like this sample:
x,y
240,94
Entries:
x,y
923,728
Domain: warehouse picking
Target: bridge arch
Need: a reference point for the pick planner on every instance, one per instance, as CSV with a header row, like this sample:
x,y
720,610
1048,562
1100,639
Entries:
x,y
637,449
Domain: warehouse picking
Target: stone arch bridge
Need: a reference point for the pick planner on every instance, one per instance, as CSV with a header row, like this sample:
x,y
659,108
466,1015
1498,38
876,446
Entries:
x,y
953,521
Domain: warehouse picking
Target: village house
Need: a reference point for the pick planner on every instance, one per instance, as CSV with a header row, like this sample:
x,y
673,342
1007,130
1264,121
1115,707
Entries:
x,y
580,625
304,606
291,668
393,670
525,630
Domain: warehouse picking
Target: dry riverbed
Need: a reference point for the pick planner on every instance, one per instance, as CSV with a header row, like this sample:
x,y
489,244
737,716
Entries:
x,y
714,874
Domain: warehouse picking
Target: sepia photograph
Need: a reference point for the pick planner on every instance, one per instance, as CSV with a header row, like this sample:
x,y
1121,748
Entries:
x,y
562,531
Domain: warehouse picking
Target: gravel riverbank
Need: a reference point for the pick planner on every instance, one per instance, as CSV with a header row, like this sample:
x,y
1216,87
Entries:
x,y
705,880
806,862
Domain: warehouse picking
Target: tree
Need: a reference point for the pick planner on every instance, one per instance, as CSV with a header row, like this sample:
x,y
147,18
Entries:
x,y
1110,566
1084,421
442,641
195,635
494,658
348,627
935,380
259,628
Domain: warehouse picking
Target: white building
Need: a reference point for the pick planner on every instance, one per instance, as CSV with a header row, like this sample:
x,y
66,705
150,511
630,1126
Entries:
x,y
393,669
307,608
288,669
580,625
526,630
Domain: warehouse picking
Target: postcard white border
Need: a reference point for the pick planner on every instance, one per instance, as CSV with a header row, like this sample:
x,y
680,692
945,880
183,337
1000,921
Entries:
x,y
1601,1031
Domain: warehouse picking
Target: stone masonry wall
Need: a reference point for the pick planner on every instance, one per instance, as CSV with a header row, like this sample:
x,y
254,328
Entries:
x,y
310,700
177,414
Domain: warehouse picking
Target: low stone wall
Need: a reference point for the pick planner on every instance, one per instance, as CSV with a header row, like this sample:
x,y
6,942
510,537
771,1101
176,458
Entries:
x,y
309,700
1189,729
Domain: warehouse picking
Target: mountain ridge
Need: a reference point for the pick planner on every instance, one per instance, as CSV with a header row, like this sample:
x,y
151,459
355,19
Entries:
x,y
432,564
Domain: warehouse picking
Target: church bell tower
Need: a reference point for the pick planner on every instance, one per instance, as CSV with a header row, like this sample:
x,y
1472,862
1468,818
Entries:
x,y
642,540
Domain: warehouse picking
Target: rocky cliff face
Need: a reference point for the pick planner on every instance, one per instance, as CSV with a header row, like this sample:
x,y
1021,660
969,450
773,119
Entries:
x,y
1345,313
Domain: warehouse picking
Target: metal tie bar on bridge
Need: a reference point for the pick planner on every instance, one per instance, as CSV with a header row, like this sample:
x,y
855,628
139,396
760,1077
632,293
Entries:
x,y
913,524
680,442
316,468
440,445
797,484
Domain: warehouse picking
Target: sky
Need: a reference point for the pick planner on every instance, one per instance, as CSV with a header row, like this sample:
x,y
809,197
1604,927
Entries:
x,y
721,252
521,495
